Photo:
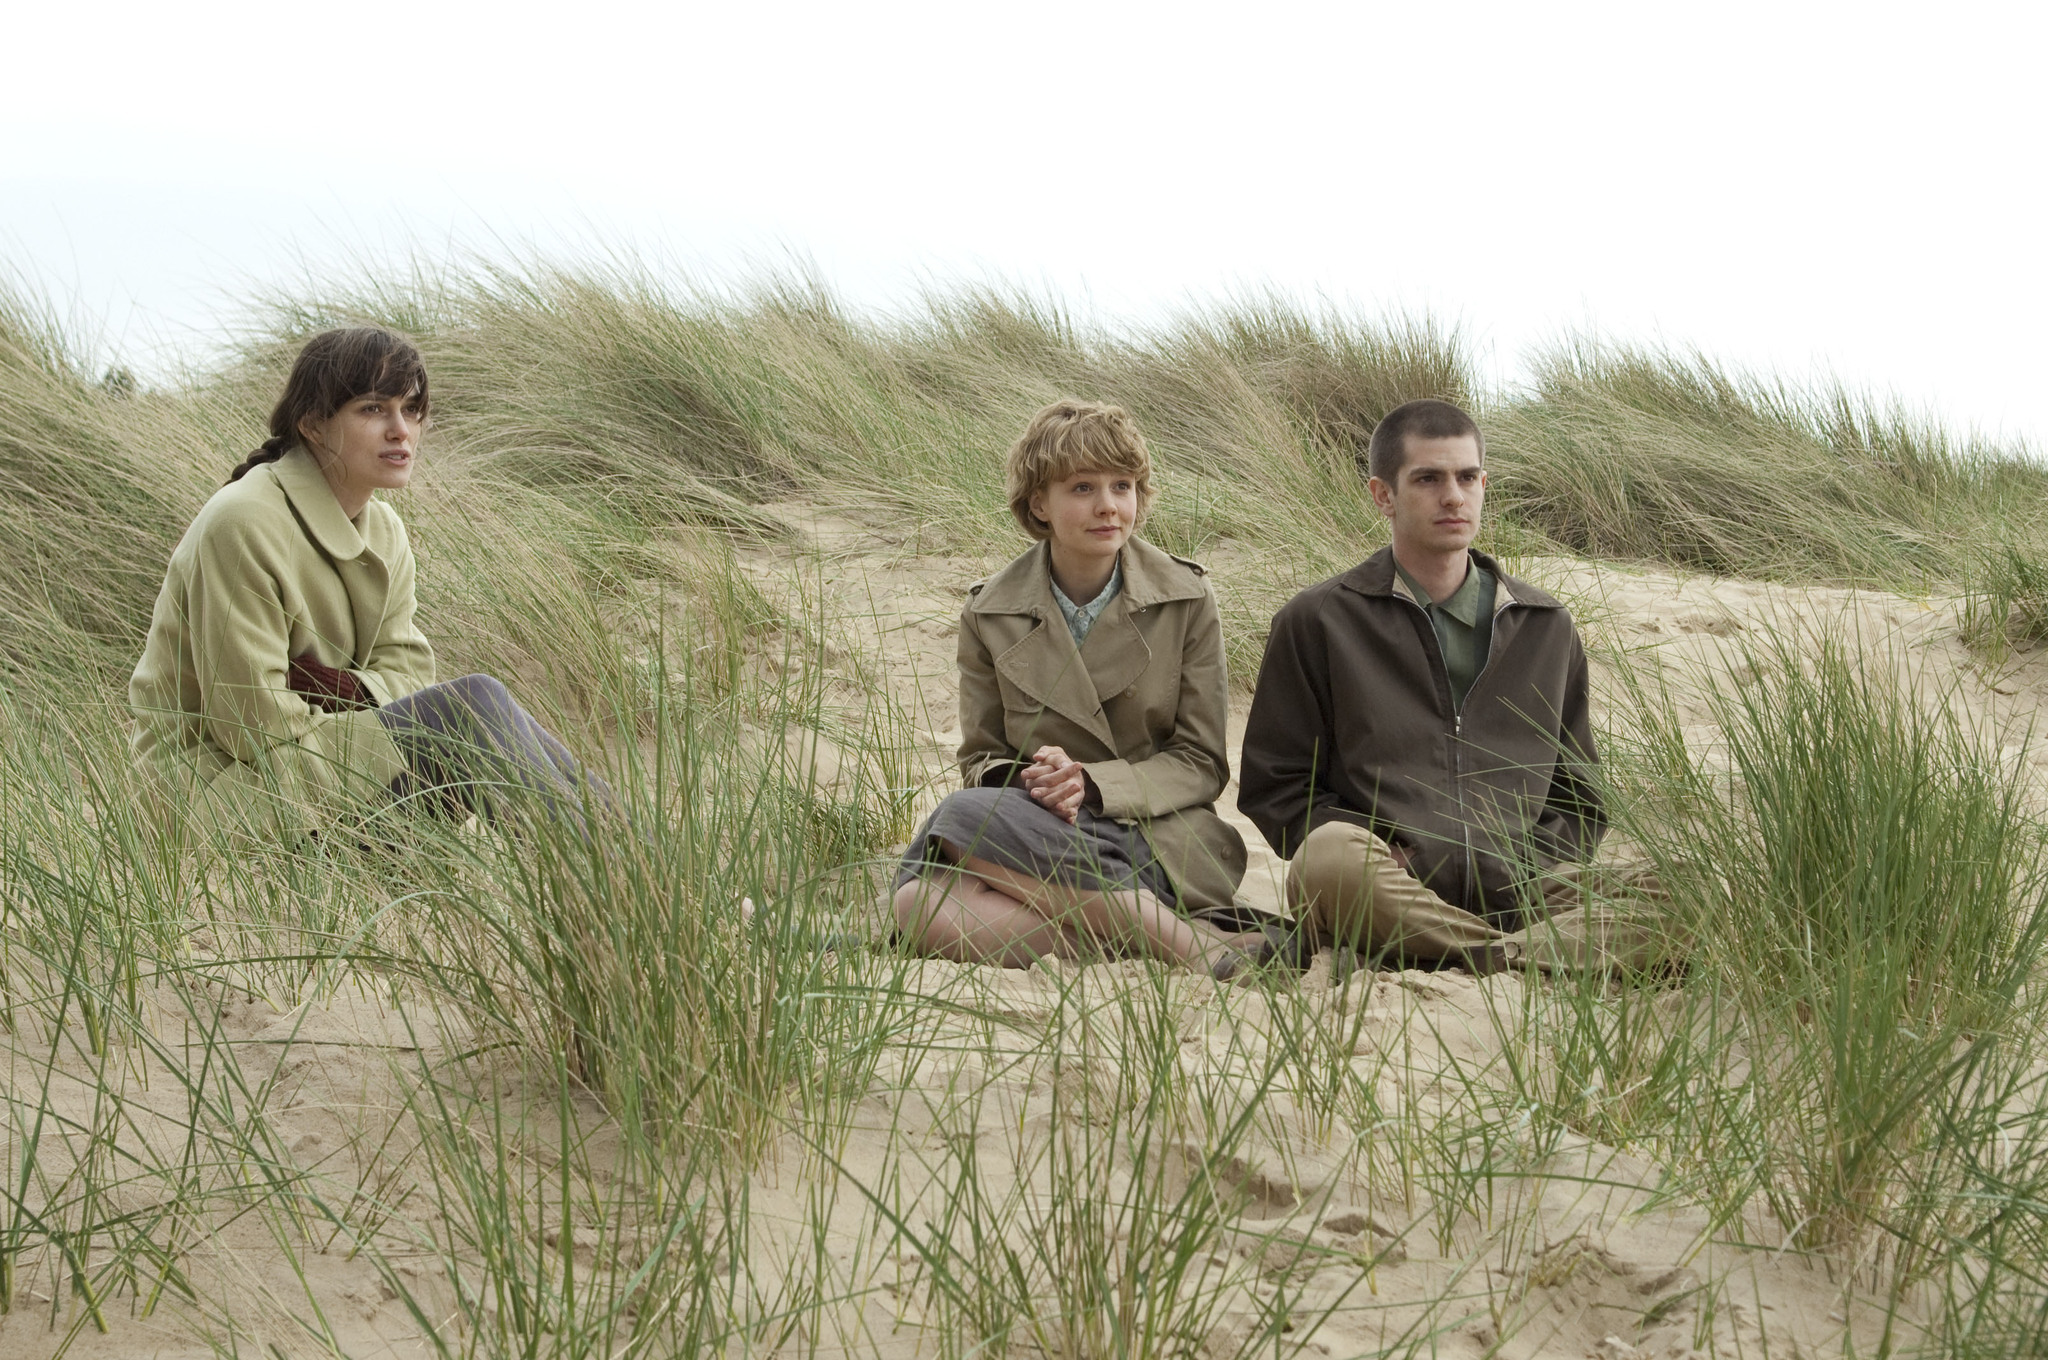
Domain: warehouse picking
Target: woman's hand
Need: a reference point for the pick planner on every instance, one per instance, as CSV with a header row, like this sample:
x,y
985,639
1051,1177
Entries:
x,y
1057,781
325,687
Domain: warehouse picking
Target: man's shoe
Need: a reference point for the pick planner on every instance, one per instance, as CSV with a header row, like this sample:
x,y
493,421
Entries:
x,y
1493,958
1280,947
1291,946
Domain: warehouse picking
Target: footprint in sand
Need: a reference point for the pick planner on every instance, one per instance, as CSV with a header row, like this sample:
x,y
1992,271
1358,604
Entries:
x,y
1242,1190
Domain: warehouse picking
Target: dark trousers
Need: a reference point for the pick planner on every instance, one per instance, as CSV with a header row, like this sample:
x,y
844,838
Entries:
x,y
472,748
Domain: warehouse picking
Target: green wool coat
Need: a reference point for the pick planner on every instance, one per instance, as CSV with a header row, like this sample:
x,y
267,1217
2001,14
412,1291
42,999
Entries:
x,y
1143,704
272,569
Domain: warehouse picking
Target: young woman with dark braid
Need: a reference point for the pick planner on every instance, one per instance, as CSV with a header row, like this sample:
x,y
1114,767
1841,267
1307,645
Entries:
x,y
285,681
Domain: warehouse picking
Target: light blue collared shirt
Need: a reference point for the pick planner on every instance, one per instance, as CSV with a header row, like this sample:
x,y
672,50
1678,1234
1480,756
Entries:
x,y
1081,617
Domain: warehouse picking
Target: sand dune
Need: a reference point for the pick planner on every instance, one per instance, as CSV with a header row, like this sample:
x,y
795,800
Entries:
x,y
1383,1218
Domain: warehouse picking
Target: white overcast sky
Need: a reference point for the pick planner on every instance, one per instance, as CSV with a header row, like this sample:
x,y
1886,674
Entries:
x,y
1845,188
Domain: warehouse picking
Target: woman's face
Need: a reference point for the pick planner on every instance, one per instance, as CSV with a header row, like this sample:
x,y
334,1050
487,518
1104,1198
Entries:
x,y
368,445
1091,513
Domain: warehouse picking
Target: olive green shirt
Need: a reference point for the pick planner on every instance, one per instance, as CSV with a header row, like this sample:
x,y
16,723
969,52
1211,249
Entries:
x,y
1463,624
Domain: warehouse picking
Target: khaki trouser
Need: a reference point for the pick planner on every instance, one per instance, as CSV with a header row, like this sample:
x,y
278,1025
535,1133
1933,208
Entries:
x,y
1345,884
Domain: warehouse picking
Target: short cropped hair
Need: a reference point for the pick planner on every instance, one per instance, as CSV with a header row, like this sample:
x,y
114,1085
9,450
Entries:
x,y
1065,438
1387,452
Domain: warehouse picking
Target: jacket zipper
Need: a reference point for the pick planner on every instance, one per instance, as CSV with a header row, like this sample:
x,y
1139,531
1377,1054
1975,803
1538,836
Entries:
x,y
1458,783
1457,735
1458,749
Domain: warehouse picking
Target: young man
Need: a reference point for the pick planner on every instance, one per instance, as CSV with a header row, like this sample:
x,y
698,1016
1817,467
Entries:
x,y
1419,746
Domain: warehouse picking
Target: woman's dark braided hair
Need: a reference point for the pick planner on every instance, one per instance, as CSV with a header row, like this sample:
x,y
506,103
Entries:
x,y
334,369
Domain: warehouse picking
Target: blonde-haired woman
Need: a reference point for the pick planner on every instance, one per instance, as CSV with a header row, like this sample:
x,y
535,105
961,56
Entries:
x,y
1093,699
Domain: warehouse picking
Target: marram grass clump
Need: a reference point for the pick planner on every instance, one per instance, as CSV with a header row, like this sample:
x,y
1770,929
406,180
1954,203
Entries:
x,y
628,1091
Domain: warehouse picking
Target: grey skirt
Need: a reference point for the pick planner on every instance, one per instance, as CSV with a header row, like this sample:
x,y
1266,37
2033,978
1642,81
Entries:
x,y
1007,826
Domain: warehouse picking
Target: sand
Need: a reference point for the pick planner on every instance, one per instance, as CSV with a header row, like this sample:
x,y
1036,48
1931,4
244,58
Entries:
x,y
1576,1248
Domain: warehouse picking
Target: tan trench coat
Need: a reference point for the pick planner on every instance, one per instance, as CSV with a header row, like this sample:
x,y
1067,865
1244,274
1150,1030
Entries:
x,y
1142,704
271,569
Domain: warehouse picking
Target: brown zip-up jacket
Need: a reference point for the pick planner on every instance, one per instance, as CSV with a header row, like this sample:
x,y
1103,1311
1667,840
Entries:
x,y
1352,721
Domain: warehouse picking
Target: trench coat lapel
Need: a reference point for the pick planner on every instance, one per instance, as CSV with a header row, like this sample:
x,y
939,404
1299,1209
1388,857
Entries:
x,y
1116,653
363,573
1044,664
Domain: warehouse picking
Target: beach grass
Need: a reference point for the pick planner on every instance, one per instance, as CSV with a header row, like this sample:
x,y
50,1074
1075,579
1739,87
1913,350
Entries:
x,y
616,1088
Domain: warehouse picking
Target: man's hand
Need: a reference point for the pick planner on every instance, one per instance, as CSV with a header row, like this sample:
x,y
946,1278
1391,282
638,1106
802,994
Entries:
x,y
324,687
1057,781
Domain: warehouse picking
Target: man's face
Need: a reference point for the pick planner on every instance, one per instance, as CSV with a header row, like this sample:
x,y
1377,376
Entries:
x,y
1438,493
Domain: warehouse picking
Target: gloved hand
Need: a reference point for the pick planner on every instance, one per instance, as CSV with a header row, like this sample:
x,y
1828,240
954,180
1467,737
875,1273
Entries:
x,y
326,688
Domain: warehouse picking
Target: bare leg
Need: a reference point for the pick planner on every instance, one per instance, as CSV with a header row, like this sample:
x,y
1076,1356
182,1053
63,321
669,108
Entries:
x,y
957,916
984,912
1125,919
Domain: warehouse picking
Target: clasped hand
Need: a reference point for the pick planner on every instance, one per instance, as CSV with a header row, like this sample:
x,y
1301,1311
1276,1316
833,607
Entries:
x,y
1057,781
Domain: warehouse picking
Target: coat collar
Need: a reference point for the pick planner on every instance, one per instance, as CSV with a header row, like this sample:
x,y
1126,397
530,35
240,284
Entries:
x,y
313,501
364,567
1464,603
1046,665
1151,576
1377,575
